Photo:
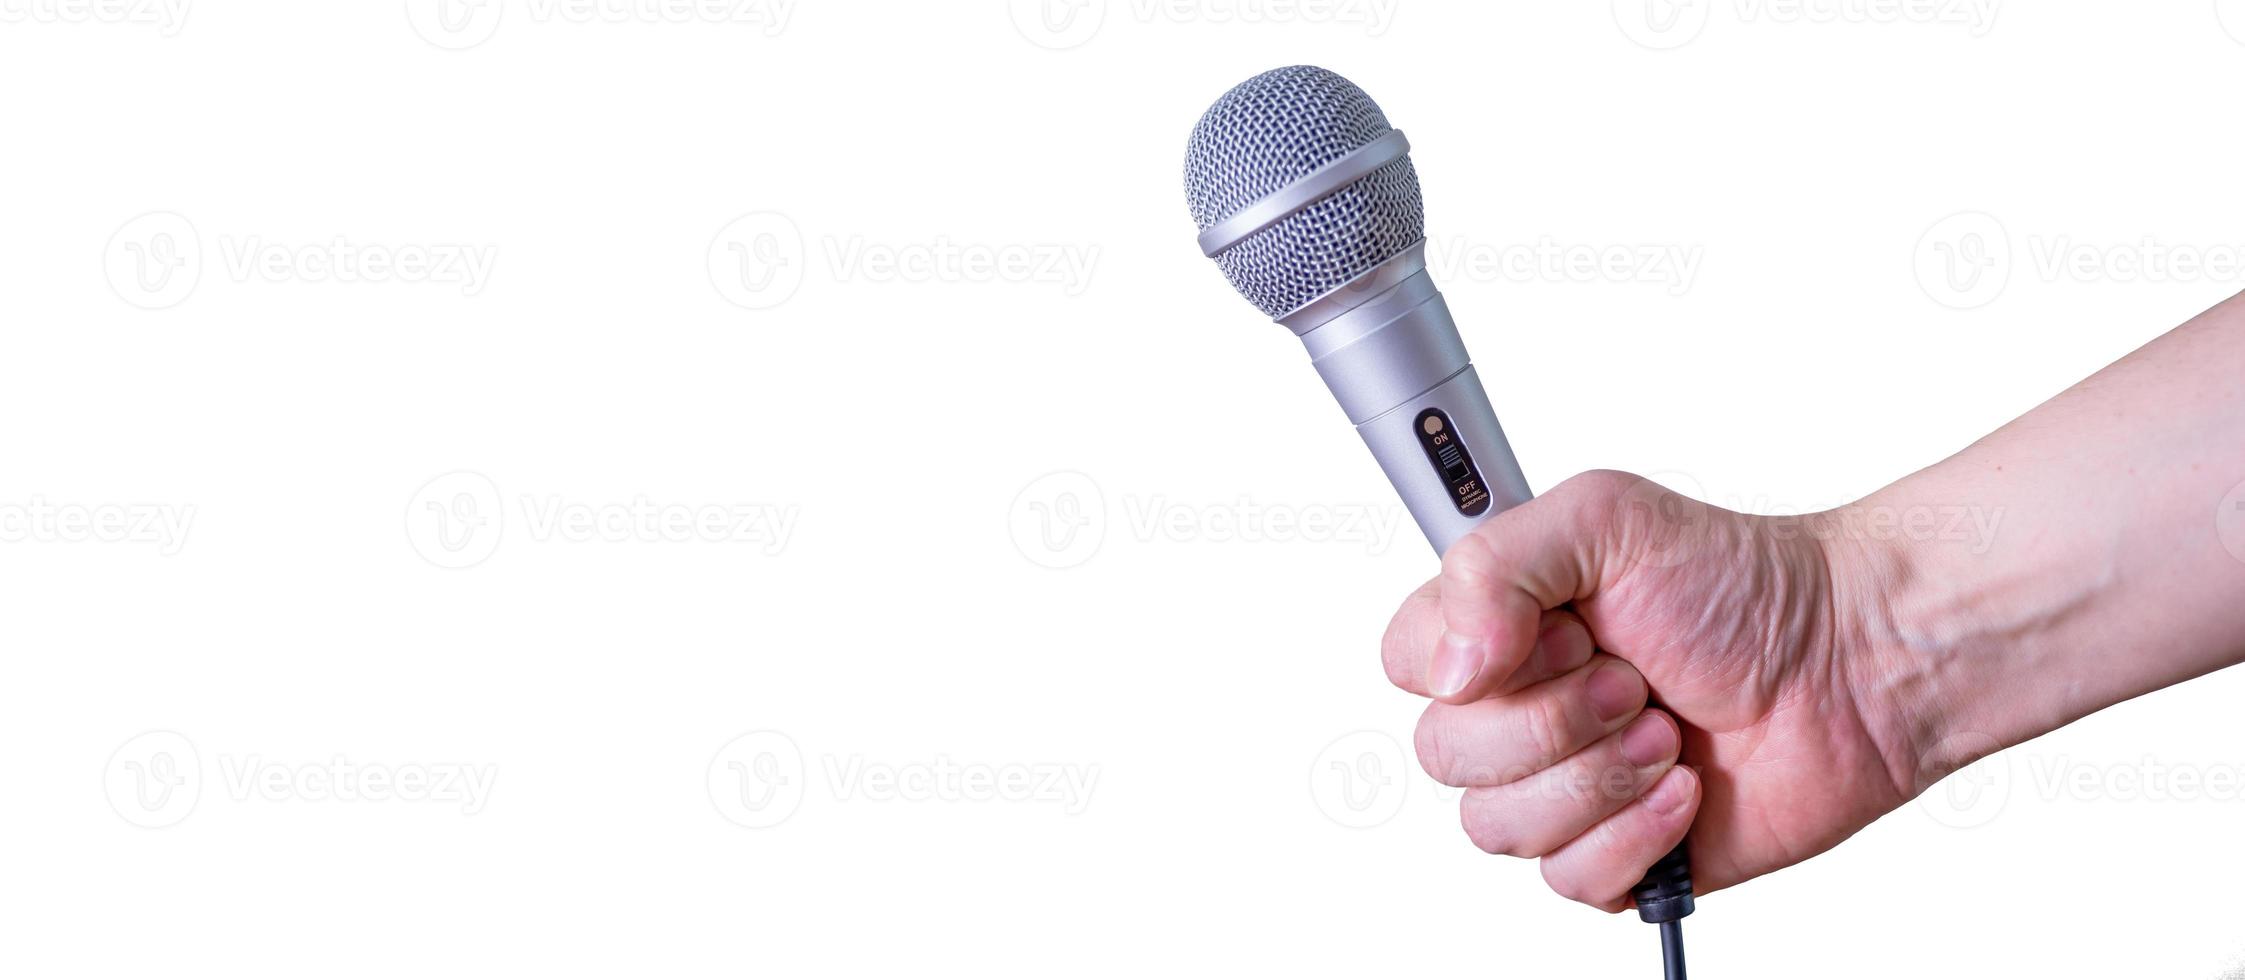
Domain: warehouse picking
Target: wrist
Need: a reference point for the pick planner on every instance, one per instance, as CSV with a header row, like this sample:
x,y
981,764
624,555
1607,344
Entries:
x,y
1911,640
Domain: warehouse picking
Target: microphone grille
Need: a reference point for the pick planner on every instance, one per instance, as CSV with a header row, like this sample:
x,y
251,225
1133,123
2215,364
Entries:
x,y
1272,130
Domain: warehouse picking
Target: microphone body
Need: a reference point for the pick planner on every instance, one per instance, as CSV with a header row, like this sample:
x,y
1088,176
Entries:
x,y
1389,351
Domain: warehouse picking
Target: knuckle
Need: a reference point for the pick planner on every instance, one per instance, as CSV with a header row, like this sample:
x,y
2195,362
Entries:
x,y
1470,563
1568,885
1559,881
1543,732
1434,750
1600,497
1484,828
1593,488
1494,830
1594,503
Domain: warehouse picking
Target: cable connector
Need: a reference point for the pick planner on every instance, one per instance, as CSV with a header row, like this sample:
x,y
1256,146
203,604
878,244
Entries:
x,y
1665,897
1666,893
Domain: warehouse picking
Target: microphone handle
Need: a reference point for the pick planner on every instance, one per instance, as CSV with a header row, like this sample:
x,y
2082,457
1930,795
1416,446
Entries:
x,y
1389,350
1447,458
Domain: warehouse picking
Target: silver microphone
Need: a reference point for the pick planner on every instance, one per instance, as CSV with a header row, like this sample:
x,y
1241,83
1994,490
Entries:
x,y
1305,197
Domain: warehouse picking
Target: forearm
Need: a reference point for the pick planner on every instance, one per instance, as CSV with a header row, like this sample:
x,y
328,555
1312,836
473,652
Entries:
x,y
2084,561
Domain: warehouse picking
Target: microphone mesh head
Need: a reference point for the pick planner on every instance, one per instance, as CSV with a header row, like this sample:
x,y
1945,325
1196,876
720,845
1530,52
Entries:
x,y
1272,130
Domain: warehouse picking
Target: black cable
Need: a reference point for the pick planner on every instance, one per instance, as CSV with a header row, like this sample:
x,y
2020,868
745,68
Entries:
x,y
1672,948
1665,897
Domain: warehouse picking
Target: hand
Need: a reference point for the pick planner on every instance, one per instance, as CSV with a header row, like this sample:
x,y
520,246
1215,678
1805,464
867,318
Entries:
x,y
1827,668
1748,629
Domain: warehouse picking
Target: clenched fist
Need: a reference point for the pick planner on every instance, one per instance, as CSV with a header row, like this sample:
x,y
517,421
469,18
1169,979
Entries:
x,y
1552,624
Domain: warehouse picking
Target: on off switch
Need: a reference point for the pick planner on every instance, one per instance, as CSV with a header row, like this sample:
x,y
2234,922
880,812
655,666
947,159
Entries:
x,y
1451,460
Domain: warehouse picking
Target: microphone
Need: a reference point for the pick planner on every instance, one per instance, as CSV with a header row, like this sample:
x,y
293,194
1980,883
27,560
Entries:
x,y
1306,199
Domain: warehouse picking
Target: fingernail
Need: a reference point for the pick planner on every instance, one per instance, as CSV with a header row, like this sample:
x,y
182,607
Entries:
x,y
1671,793
1650,740
1562,647
1455,665
1615,690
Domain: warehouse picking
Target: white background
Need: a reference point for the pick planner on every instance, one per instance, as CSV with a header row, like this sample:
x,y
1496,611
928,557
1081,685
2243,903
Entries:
x,y
685,308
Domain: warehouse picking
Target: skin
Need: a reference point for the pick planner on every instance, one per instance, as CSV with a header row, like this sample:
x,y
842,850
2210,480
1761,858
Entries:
x,y
1827,668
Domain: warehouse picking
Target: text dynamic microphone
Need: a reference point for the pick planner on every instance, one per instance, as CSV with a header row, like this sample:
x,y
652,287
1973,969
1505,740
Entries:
x,y
1306,198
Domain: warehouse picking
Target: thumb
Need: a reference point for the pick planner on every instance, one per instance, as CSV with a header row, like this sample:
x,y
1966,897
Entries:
x,y
1498,580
